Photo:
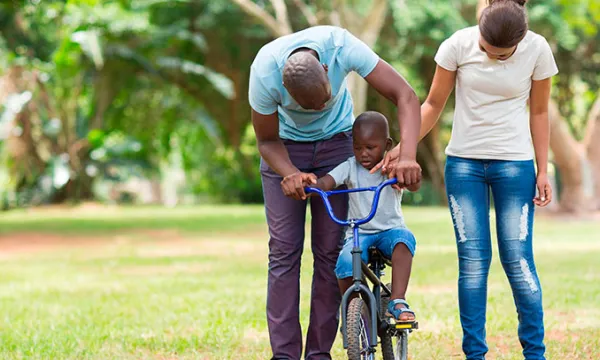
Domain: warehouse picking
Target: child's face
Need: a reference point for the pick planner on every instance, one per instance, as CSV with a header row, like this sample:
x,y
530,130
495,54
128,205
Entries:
x,y
369,148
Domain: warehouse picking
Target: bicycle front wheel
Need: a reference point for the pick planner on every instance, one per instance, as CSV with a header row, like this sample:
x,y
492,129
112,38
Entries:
x,y
358,332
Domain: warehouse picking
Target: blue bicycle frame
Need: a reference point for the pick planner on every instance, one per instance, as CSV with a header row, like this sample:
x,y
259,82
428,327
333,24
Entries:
x,y
354,224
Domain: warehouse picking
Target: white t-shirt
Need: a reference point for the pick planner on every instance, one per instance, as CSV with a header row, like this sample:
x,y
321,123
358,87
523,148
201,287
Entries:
x,y
491,119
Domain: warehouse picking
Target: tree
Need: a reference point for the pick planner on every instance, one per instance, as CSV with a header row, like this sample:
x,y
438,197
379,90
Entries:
x,y
84,79
572,29
592,146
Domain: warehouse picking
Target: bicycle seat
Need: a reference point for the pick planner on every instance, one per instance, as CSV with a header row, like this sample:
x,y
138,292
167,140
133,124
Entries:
x,y
376,254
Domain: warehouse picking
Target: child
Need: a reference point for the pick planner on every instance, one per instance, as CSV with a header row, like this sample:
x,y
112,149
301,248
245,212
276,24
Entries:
x,y
387,230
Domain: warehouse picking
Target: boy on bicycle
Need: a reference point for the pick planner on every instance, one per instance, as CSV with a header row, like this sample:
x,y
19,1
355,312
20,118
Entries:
x,y
387,231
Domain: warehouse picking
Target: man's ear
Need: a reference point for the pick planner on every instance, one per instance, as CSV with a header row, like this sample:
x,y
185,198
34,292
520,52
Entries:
x,y
388,144
326,68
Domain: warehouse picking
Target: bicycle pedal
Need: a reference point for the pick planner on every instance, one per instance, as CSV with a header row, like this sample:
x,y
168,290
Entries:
x,y
409,325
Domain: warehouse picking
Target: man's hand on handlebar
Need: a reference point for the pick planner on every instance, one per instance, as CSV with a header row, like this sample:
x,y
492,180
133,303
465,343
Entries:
x,y
408,173
293,184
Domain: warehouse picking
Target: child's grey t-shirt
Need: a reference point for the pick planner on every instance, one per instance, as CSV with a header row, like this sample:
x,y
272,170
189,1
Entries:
x,y
389,212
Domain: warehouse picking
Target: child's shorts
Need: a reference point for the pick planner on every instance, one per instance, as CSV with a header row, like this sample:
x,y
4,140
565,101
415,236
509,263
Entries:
x,y
385,241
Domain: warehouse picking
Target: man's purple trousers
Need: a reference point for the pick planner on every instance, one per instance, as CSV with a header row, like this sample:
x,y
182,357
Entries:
x,y
286,221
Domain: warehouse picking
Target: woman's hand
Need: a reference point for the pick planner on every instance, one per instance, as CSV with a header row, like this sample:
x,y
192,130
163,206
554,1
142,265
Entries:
x,y
544,190
390,156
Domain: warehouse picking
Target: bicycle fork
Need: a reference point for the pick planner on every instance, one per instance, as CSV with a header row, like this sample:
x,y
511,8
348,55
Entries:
x,y
359,287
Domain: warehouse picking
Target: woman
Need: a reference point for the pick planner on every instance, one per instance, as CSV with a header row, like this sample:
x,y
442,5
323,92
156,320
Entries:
x,y
497,67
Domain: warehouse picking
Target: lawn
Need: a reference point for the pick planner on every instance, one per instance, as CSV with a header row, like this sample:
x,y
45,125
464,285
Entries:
x,y
190,283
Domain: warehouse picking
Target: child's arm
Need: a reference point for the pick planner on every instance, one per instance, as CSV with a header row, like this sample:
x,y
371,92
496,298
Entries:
x,y
335,177
324,183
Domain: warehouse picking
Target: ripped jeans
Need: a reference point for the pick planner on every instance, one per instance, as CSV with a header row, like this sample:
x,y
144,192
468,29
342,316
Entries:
x,y
512,184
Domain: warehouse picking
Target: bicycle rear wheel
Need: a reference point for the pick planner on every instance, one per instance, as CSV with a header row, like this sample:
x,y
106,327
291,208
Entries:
x,y
393,349
401,352
397,352
387,343
358,331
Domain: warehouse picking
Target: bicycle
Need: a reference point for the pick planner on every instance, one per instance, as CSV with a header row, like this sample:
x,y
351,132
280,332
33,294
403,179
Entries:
x,y
363,321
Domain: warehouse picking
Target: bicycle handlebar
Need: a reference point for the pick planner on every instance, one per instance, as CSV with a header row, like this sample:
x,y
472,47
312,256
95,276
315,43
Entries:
x,y
355,222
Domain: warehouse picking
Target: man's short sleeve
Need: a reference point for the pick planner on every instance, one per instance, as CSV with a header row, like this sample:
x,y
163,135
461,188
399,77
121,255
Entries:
x,y
355,55
341,173
545,66
447,54
259,97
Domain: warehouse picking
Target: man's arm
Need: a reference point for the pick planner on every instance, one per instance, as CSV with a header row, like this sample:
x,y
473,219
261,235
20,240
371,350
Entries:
x,y
389,83
272,150
441,88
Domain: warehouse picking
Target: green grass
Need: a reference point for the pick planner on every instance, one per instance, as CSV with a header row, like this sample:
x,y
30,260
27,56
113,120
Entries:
x,y
190,283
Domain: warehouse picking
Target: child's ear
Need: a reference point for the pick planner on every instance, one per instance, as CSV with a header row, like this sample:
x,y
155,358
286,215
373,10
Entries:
x,y
388,144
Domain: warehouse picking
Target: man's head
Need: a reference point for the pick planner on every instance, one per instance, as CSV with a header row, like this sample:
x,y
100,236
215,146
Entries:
x,y
371,138
306,80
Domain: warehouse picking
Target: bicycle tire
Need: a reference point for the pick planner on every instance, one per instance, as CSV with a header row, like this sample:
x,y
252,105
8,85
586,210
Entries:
x,y
387,343
357,330
402,346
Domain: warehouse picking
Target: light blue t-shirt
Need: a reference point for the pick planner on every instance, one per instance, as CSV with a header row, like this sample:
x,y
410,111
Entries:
x,y
336,47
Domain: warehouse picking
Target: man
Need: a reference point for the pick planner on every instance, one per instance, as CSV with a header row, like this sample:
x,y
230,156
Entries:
x,y
302,117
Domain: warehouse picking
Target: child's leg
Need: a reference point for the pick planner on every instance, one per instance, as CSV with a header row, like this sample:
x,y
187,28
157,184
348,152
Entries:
x,y
343,268
399,244
401,266
345,284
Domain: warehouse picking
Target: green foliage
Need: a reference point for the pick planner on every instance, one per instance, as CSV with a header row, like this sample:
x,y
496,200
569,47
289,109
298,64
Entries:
x,y
117,75
572,27
231,175
168,77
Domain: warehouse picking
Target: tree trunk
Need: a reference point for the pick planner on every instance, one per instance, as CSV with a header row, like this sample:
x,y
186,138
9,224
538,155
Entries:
x,y
568,157
367,29
592,148
358,89
481,4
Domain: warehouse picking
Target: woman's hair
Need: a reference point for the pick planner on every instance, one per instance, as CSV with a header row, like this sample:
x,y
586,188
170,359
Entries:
x,y
503,23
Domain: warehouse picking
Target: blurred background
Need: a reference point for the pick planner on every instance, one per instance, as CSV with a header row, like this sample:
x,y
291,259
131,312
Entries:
x,y
132,224
145,101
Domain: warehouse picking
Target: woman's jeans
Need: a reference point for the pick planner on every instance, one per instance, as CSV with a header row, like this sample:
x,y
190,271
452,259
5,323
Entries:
x,y
512,184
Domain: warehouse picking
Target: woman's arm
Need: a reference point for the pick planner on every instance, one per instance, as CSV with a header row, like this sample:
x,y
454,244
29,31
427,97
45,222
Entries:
x,y
540,134
441,88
